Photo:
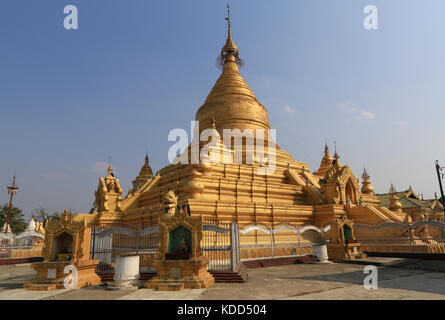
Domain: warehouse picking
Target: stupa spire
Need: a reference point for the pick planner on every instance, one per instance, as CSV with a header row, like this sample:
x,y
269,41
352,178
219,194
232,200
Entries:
x,y
327,155
229,52
146,171
326,162
395,204
336,156
366,188
110,168
145,174
231,102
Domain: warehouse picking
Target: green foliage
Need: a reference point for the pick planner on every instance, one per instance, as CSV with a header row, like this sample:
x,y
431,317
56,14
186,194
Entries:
x,y
94,208
41,214
17,220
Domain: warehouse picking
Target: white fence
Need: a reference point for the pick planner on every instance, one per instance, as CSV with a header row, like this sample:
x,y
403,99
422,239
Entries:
x,y
295,242
422,236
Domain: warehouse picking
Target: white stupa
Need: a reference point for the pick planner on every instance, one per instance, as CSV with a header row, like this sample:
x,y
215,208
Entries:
x,y
9,229
31,225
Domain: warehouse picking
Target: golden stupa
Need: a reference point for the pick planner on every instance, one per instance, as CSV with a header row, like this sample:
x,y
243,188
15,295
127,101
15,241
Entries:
x,y
291,195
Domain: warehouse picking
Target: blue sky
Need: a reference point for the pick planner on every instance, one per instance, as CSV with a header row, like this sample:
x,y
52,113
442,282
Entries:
x,y
136,69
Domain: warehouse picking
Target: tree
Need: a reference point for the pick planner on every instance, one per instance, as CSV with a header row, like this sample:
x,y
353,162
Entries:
x,y
41,215
17,220
94,208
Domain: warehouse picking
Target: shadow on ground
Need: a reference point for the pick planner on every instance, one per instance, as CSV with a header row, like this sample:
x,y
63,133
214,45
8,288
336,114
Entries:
x,y
412,275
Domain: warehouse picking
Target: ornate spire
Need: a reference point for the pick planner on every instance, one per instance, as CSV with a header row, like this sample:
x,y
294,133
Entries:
x,y
365,175
395,204
231,101
326,162
367,188
336,157
229,53
392,190
110,168
146,169
145,174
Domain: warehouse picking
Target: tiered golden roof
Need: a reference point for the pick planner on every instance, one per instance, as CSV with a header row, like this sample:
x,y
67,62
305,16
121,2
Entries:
x,y
326,163
144,175
231,102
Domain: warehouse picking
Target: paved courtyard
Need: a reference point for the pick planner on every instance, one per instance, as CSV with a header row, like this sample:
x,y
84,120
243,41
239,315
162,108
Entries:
x,y
397,279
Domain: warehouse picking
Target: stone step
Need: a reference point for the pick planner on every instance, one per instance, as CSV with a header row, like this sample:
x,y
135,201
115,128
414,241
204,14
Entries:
x,y
239,276
173,286
41,287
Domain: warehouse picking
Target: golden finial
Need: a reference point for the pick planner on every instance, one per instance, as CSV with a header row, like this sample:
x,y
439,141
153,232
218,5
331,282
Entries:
x,y
110,168
228,16
326,148
229,53
336,156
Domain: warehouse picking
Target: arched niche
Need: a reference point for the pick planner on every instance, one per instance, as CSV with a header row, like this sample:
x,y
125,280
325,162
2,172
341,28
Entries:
x,y
178,238
62,244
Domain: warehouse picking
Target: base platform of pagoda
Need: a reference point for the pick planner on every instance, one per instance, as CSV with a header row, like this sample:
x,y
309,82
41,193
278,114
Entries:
x,y
176,275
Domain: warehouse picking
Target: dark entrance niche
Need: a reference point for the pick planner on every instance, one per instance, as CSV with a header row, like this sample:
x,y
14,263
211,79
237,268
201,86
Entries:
x,y
62,244
347,233
179,244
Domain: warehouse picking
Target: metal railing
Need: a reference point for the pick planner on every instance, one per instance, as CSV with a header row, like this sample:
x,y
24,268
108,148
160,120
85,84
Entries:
x,y
405,237
110,241
12,251
281,240
219,245
119,239
404,244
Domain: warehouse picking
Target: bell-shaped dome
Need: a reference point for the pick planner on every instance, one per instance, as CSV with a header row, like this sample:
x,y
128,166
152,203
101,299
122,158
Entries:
x,y
231,102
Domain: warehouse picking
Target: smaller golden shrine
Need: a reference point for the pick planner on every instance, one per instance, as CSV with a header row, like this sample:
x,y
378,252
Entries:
x,y
343,243
67,243
179,261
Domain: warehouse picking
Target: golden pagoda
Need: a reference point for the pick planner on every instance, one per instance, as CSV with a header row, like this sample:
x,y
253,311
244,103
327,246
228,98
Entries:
x,y
145,174
290,195
326,163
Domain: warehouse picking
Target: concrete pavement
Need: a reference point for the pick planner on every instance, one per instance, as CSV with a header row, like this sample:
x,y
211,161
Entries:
x,y
398,279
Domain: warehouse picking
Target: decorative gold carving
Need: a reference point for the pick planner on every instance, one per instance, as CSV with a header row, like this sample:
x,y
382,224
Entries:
x,y
108,196
169,222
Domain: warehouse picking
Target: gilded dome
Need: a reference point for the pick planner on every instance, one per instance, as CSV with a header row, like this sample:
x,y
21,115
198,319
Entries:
x,y
367,188
231,102
395,203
